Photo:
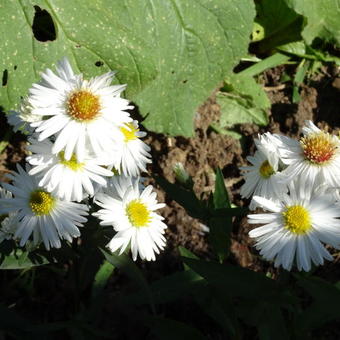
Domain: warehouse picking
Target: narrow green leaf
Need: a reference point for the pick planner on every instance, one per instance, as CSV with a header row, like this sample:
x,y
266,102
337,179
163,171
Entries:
x,y
298,79
229,212
101,278
172,287
301,72
186,253
219,236
221,197
220,226
126,265
269,62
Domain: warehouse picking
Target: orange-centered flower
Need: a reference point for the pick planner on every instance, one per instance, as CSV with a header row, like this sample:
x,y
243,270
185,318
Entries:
x,y
83,106
318,148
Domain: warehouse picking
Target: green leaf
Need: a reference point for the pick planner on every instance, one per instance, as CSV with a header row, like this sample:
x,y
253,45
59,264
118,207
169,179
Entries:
x,y
321,19
167,329
272,324
126,265
220,197
220,223
218,305
187,253
230,212
243,101
185,197
281,24
219,235
299,78
269,62
325,305
171,53
19,258
171,287
240,282
302,50
103,274
297,48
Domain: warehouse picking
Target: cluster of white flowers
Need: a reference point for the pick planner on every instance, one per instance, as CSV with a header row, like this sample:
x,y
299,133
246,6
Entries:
x,y
83,143
298,183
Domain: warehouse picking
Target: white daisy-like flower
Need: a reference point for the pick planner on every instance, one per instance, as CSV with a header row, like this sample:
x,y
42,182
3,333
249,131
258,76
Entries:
x,y
316,156
8,222
78,112
21,119
131,154
296,226
68,179
263,177
40,213
131,212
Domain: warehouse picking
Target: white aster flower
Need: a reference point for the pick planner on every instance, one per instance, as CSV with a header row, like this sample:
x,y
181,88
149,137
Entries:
x,y
78,112
131,212
296,226
263,177
131,154
316,156
21,119
68,179
40,213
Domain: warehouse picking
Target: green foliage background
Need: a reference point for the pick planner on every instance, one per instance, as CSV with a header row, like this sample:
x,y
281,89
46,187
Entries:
x,y
172,54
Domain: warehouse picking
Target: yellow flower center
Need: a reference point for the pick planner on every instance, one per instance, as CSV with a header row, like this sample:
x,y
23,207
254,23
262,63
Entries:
x,y
72,163
266,170
297,219
318,148
129,132
83,106
138,213
41,202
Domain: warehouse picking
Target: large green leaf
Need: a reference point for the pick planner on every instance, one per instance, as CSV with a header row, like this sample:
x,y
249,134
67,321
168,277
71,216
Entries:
x,y
242,101
171,53
280,24
322,19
